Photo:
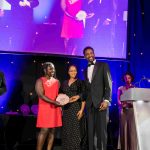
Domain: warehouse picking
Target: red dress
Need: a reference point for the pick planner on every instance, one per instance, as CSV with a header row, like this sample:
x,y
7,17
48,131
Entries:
x,y
71,27
49,116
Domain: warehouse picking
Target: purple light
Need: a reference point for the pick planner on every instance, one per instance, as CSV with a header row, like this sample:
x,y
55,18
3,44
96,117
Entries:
x,y
25,109
44,8
34,109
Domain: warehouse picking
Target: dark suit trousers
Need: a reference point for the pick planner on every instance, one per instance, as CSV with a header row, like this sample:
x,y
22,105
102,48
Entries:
x,y
97,126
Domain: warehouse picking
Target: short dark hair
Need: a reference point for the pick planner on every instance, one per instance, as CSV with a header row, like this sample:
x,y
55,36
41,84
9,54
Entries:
x,y
130,74
86,48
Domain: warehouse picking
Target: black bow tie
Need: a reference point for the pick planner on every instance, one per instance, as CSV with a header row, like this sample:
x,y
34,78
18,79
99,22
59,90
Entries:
x,y
92,63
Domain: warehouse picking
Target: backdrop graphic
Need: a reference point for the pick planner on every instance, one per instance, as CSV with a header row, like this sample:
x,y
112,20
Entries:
x,y
38,29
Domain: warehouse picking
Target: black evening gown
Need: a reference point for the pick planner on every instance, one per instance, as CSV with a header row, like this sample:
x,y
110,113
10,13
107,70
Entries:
x,y
74,131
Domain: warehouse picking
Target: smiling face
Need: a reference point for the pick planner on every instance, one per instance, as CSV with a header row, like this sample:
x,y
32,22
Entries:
x,y
49,71
89,55
72,72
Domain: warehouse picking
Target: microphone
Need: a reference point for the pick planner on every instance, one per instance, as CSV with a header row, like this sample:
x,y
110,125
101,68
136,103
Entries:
x,y
144,78
136,84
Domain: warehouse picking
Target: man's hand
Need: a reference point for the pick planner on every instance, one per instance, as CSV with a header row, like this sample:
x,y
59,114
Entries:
x,y
104,105
106,22
24,3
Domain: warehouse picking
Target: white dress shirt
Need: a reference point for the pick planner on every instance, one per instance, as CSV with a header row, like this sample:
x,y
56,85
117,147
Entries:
x,y
90,71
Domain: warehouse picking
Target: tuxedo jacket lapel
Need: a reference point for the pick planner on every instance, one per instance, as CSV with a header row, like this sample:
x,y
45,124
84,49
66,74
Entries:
x,y
86,74
94,71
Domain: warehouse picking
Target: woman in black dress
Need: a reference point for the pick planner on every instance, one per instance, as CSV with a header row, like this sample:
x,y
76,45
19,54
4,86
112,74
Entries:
x,y
73,135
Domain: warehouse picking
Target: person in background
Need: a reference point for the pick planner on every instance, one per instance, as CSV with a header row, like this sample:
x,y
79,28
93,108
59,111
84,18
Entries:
x,y
98,29
72,28
49,114
98,96
74,133
21,26
127,136
2,84
23,10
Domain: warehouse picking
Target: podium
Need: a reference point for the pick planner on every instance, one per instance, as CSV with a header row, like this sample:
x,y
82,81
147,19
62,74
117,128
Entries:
x,y
141,105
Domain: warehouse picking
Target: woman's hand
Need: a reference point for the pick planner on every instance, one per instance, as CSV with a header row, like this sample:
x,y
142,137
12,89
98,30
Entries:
x,y
124,104
57,104
74,98
80,114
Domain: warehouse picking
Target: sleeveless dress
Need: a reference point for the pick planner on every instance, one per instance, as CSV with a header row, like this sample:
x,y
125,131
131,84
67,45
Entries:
x,y
72,28
49,116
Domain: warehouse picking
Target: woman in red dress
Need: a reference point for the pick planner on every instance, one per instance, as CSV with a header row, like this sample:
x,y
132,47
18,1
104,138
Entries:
x,y
71,28
49,113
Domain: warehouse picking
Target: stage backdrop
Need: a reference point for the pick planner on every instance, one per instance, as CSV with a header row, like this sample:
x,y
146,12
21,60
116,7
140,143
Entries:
x,y
42,28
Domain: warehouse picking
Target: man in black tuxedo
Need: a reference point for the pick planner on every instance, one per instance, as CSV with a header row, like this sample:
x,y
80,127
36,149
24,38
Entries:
x,y
2,84
99,25
98,96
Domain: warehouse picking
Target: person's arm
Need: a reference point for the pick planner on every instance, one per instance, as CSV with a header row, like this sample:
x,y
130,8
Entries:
x,y
63,5
3,88
107,89
119,92
33,3
74,98
103,13
108,83
40,92
81,111
96,25
96,11
121,104
81,90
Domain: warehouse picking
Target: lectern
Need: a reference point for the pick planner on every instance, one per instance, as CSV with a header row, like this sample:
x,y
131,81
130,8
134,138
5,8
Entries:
x,y
141,106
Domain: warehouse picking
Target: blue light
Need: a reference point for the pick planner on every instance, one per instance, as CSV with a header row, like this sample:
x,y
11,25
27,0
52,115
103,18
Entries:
x,y
43,10
10,65
5,67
